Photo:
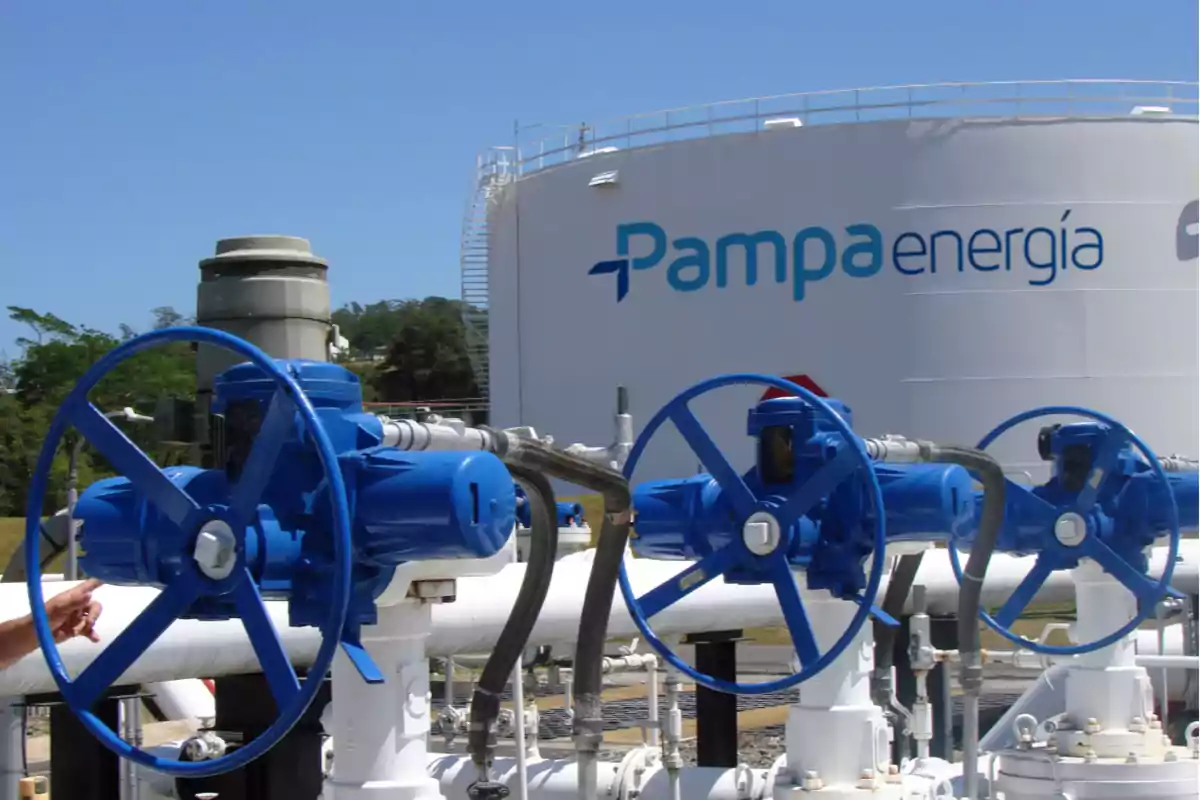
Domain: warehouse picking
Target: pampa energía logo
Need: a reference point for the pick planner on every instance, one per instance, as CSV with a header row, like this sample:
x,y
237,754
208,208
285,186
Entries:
x,y
860,250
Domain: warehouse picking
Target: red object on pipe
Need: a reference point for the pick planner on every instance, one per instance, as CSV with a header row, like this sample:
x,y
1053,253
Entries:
x,y
801,380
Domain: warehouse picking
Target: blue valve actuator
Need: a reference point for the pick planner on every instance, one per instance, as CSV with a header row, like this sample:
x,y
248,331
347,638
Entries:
x,y
692,517
405,506
688,518
1134,516
1129,508
1108,500
569,514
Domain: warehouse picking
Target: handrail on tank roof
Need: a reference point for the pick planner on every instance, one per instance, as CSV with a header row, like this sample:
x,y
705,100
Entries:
x,y
1079,97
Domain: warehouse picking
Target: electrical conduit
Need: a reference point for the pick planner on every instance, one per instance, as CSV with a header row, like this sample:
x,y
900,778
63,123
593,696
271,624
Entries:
x,y
485,703
991,475
894,600
598,597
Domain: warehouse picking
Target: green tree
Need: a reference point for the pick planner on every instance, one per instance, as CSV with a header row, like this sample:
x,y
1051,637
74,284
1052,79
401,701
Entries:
x,y
427,359
43,325
49,367
168,317
371,328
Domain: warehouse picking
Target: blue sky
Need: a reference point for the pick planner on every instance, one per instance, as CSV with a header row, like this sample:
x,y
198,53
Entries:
x,y
135,134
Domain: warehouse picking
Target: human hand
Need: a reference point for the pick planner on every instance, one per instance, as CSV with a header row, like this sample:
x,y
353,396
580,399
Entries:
x,y
74,613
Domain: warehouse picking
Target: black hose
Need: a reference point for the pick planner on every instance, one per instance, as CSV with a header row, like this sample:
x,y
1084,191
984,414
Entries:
x,y
904,574
991,475
602,584
485,702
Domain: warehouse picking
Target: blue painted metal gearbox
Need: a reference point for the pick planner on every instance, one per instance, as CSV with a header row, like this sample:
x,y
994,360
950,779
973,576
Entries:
x,y
1131,507
404,506
1108,500
692,517
569,514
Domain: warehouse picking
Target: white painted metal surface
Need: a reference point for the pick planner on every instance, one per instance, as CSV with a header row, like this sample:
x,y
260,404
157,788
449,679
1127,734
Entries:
x,y
187,699
379,730
193,649
981,265
837,738
559,779
12,750
638,777
1108,743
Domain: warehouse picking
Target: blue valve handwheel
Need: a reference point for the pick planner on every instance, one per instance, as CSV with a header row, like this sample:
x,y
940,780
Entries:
x,y
852,460
187,582
1056,555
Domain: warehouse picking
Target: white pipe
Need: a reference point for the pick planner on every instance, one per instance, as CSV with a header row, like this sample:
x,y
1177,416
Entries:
x,y
194,649
12,731
568,689
652,732
442,434
1177,679
518,695
554,779
1175,644
922,710
1166,662
1161,636
672,761
188,700
123,781
130,711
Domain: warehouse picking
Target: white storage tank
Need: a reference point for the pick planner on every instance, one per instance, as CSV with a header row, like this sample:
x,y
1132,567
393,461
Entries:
x,y
939,264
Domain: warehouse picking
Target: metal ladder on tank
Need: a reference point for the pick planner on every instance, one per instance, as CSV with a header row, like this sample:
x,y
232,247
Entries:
x,y
493,170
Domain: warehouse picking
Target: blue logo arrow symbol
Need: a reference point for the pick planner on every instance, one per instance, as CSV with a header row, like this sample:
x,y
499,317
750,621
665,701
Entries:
x,y
619,266
1187,232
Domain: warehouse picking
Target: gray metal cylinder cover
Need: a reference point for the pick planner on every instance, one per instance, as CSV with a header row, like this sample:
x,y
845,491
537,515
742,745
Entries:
x,y
271,291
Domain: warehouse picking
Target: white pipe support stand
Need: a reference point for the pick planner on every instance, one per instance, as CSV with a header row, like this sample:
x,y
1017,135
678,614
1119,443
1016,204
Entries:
x,y
1109,698
379,730
838,740
1108,743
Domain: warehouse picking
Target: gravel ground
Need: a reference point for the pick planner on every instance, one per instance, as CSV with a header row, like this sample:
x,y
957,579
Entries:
x,y
758,749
